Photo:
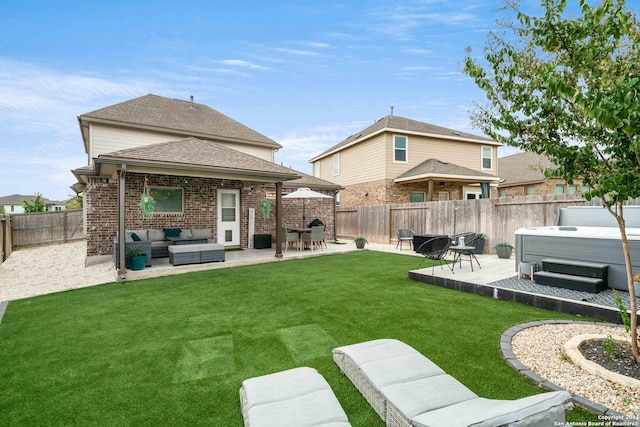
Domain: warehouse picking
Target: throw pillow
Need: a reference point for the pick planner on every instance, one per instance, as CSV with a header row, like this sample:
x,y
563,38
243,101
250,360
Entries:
x,y
171,232
135,237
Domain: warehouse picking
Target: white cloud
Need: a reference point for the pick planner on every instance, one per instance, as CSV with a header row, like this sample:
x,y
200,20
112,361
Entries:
x,y
241,63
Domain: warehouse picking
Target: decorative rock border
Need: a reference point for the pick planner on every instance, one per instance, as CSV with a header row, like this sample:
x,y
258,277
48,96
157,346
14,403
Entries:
x,y
511,359
572,348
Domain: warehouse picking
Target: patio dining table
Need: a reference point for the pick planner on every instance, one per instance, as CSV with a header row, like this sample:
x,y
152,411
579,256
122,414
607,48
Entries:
x,y
300,231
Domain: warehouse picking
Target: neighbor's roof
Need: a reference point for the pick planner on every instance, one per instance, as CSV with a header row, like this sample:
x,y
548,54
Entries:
x,y
192,156
404,125
523,168
174,116
17,199
437,169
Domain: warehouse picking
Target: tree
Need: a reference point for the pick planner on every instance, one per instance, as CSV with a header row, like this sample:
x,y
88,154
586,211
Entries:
x,y
35,205
568,87
75,203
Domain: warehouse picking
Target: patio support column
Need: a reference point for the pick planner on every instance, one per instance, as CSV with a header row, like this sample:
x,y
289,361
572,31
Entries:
x,y
430,198
279,212
122,271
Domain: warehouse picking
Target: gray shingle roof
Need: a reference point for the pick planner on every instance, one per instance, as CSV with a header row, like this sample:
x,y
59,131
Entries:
x,y
17,199
194,153
177,116
523,168
435,167
403,124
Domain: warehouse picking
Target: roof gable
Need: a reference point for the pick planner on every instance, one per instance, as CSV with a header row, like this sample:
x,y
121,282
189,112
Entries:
x,y
177,116
401,124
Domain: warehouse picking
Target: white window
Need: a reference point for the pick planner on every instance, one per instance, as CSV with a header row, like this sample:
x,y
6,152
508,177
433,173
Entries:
x,y
337,200
399,149
472,195
443,196
529,190
336,164
316,169
487,158
559,188
167,199
502,192
417,196
573,188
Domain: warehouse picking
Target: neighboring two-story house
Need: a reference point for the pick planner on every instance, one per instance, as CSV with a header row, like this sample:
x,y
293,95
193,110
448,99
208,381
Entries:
x,y
14,204
399,160
204,170
522,174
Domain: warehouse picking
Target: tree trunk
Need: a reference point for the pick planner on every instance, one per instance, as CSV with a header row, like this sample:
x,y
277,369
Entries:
x,y
632,292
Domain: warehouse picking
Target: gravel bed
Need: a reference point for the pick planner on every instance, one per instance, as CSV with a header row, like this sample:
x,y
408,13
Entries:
x,y
541,349
47,269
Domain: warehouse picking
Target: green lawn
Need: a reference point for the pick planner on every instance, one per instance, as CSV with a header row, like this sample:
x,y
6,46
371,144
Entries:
x,y
174,350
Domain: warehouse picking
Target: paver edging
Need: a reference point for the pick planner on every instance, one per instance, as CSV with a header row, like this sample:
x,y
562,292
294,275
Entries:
x,y
508,355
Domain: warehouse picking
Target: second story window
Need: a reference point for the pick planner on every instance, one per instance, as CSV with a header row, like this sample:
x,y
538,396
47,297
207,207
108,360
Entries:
x,y
336,164
316,169
487,158
400,149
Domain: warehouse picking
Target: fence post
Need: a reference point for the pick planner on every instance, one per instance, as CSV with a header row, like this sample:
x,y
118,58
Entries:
x,y
64,227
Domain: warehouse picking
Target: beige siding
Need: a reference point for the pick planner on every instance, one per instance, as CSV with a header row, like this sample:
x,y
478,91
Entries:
x,y
359,163
106,139
420,148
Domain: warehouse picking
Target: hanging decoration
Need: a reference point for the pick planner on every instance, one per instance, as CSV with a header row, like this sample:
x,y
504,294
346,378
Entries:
x,y
147,204
265,208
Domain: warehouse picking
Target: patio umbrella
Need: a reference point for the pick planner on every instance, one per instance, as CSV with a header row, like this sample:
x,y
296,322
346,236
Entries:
x,y
305,193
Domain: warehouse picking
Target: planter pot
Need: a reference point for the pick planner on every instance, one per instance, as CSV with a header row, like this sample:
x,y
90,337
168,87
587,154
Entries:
x,y
137,262
360,244
504,253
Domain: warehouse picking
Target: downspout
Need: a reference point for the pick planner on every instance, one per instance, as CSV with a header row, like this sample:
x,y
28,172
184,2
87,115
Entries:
x,y
279,219
122,270
335,227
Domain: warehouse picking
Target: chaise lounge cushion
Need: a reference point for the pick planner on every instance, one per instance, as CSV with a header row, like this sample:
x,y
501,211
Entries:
x,y
297,397
541,409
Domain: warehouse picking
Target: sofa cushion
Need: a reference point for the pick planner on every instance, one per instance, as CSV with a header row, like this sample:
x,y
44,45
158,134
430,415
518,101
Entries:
x,y
142,234
185,233
155,235
134,236
171,232
201,233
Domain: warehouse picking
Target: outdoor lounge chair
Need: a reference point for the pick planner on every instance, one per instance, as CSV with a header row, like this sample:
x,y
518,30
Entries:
x,y
406,389
434,249
297,397
405,235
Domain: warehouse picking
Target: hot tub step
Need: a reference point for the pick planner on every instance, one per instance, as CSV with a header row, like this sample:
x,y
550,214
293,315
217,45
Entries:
x,y
577,268
569,281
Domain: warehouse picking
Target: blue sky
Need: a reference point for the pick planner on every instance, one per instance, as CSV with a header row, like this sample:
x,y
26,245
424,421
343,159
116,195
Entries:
x,y
306,74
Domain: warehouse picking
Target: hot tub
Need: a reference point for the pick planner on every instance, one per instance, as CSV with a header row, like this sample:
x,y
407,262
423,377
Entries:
x,y
589,244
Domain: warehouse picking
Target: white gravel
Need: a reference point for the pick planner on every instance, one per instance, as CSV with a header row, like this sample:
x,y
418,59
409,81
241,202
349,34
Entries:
x,y
56,268
541,349
47,269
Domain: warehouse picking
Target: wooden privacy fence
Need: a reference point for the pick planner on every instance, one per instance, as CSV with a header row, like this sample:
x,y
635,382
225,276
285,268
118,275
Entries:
x,y
20,230
497,218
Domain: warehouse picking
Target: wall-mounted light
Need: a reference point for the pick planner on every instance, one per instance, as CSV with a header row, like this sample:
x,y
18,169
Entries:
x,y
441,184
366,193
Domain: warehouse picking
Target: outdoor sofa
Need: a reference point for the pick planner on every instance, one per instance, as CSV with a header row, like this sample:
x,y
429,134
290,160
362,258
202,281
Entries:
x,y
159,239
407,389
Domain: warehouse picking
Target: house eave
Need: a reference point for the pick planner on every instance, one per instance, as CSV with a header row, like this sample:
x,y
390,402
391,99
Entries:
x,y
406,132
446,177
107,165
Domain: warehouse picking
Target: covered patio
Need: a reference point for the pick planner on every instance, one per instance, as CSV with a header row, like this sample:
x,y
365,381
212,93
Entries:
x,y
447,181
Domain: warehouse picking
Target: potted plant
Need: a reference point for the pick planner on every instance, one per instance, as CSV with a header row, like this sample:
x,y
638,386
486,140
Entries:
x,y
503,249
137,260
360,242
